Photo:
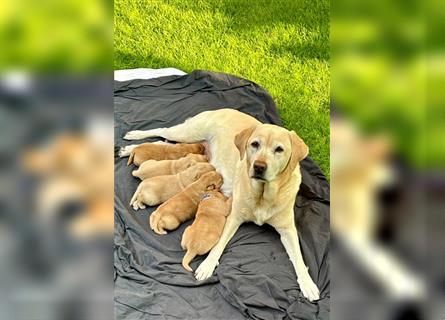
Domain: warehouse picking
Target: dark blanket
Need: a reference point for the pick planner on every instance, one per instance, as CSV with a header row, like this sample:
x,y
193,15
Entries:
x,y
255,278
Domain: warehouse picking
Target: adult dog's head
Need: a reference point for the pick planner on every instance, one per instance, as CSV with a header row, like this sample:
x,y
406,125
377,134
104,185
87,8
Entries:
x,y
270,151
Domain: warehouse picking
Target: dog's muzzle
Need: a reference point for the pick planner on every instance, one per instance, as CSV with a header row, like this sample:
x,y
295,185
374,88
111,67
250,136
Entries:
x,y
259,169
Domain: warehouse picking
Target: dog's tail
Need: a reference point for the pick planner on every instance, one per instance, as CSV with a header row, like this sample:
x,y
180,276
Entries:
x,y
188,257
130,158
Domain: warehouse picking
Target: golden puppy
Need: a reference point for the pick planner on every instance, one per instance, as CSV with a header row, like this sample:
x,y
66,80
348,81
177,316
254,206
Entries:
x,y
183,206
206,230
164,151
153,168
156,190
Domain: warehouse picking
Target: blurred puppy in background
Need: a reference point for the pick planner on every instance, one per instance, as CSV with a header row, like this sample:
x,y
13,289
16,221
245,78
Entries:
x,y
76,175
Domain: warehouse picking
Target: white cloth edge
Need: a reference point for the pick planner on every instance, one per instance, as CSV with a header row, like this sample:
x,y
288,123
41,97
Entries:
x,y
145,73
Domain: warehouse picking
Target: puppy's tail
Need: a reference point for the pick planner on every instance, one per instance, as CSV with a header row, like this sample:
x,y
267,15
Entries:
x,y
130,158
189,255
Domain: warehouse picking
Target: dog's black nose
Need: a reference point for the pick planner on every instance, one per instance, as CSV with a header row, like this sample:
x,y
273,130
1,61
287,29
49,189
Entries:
x,y
259,167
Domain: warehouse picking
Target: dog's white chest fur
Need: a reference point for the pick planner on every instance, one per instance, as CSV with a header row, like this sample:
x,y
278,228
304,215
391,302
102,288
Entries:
x,y
262,215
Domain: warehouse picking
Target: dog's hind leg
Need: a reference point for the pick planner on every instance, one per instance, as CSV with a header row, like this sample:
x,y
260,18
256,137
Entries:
x,y
190,131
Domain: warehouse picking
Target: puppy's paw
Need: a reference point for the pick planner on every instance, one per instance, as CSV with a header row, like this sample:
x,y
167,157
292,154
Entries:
x,y
138,205
134,135
156,223
159,230
308,287
126,150
205,269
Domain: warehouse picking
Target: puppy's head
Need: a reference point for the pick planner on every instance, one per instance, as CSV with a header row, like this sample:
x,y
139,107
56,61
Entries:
x,y
197,157
199,148
212,180
216,193
199,168
270,150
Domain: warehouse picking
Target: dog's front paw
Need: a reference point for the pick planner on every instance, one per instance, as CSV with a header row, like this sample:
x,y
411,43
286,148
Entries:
x,y
308,287
205,269
134,135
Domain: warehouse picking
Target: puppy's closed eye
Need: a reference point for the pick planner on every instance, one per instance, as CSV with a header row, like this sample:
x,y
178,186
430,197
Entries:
x,y
279,149
191,164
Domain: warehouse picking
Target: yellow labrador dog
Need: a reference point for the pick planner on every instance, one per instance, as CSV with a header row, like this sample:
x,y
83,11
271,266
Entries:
x,y
260,167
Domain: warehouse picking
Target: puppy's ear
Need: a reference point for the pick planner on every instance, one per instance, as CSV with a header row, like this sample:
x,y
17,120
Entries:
x,y
241,140
202,149
299,151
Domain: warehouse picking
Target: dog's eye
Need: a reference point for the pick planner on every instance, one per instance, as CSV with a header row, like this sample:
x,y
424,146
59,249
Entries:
x,y
279,149
255,144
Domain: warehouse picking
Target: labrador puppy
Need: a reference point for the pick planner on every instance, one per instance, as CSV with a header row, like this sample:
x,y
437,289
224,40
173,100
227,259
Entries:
x,y
205,231
260,167
163,151
158,189
183,206
153,168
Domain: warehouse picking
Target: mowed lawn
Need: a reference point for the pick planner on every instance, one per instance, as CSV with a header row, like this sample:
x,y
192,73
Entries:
x,y
281,45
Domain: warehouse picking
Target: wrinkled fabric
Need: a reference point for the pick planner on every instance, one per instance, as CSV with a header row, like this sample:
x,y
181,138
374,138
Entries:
x,y
255,278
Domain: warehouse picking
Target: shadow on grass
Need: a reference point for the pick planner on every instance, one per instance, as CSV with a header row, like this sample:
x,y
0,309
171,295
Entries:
x,y
305,51
123,60
246,15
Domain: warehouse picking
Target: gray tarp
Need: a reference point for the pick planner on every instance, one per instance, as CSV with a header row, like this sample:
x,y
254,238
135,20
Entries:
x,y
255,278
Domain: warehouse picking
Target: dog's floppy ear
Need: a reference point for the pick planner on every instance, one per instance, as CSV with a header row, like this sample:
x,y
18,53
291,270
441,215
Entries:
x,y
299,151
241,140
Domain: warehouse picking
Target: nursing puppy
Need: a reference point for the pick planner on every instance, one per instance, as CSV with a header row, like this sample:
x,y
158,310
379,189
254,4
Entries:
x,y
163,151
206,230
158,189
183,206
153,168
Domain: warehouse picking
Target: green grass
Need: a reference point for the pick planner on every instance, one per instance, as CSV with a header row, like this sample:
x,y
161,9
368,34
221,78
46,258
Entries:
x,y
281,45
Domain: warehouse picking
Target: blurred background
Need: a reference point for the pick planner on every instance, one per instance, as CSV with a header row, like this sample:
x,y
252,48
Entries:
x,y
56,160
387,159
